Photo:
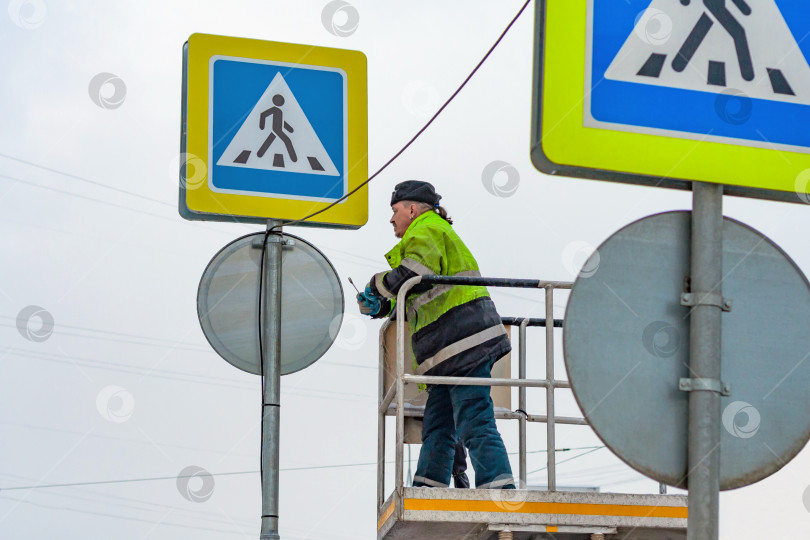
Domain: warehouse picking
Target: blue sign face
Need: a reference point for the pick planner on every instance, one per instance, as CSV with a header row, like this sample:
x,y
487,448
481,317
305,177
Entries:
x,y
733,71
277,129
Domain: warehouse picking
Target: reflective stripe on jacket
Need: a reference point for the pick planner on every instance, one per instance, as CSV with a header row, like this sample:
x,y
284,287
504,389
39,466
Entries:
x,y
453,327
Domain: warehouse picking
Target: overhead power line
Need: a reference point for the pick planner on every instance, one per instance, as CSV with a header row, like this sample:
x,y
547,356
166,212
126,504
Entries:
x,y
569,459
86,180
122,334
164,523
286,469
126,481
85,197
179,375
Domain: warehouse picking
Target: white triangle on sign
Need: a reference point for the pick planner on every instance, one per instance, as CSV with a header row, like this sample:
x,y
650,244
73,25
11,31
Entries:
x,y
278,129
667,30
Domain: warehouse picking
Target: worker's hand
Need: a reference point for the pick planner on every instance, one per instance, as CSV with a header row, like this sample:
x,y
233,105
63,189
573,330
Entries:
x,y
369,302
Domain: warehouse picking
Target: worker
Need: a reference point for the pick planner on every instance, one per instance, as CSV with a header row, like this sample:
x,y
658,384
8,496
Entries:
x,y
455,331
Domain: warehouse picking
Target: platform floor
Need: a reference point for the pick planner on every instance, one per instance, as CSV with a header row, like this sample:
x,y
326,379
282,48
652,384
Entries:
x,y
472,514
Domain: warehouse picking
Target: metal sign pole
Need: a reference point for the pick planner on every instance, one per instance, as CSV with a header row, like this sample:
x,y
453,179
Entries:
x,y
704,361
271,358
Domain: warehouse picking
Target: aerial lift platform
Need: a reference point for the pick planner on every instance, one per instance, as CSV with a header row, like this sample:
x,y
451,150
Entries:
x,y
418,513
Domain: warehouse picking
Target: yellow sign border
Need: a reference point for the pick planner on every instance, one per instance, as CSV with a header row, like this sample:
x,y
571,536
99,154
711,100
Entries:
x,y
204,203
562,145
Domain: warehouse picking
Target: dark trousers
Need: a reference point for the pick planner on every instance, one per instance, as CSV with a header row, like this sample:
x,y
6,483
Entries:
x,y
466,411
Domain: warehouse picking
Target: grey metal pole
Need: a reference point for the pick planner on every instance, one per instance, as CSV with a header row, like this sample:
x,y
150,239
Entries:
x,y
704,362
551,443
381,391
522,407
402,350
271,366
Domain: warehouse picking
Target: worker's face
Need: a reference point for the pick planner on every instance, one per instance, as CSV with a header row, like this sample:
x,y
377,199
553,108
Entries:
x,y
401,218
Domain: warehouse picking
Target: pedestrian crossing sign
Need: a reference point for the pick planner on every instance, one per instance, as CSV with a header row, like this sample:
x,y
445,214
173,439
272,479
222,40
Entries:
x,y
273,130
665,92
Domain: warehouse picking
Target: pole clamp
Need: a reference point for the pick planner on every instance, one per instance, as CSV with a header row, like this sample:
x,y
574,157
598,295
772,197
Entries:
x,y
705,385
692,299
286,243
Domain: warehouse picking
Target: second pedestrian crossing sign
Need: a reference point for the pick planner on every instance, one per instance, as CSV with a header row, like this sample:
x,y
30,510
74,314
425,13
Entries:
x,y
664,92
278,130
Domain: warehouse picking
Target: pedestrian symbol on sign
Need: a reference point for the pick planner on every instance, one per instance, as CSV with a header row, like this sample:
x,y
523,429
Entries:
x,y
698,34
279,125
715,45
279,112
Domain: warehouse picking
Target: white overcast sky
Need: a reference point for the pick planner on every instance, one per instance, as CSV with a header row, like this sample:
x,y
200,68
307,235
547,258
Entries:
x,y
127,387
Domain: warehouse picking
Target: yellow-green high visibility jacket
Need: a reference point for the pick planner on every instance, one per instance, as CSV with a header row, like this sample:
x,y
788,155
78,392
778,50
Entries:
x,y
454,328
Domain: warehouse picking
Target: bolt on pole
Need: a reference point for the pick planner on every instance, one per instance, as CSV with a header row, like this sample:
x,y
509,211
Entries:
x,y
271,368
704,362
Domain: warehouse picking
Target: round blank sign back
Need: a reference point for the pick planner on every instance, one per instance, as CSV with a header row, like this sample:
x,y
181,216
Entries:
x,y
311,303
626,343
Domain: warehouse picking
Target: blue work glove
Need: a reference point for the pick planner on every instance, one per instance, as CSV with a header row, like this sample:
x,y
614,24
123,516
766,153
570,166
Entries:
x,y
369,302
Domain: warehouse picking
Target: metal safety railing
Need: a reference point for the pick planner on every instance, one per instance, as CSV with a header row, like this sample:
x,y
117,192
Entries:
x,y
396,393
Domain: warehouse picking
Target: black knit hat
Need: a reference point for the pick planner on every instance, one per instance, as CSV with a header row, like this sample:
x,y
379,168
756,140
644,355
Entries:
x,y
417,191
